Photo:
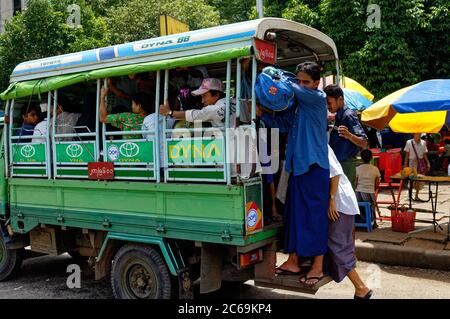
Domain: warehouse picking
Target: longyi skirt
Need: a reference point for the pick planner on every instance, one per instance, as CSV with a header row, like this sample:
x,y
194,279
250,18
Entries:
x,y
306,216
340,258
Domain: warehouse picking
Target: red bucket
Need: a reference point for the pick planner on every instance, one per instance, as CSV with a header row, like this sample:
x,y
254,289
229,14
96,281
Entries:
x,y
403,220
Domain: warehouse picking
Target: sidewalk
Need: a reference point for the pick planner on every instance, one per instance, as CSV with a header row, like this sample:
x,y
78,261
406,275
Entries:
x,y
424,249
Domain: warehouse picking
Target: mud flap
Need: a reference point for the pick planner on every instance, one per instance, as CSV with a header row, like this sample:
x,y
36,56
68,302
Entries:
x,y
211,267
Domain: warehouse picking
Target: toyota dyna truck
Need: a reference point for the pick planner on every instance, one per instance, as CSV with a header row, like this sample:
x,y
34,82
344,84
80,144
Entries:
x,y
167,207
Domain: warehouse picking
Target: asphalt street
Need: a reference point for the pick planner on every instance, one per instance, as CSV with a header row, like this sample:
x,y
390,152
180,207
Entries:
x,y
46,278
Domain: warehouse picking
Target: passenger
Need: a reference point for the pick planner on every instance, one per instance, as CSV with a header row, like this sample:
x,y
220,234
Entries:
x,y
306,231
149,125
65,121
128,121
214,104
340,260
348,136
41,128
30,117
125,88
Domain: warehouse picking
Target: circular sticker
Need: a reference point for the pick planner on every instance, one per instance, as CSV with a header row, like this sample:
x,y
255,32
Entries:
x,y
113,153
252,218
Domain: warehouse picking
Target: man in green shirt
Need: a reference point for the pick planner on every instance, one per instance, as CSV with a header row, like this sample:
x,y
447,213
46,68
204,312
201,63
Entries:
x,y
128,121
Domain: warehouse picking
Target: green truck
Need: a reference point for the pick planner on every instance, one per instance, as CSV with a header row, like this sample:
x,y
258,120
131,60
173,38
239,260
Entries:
x,y
156,213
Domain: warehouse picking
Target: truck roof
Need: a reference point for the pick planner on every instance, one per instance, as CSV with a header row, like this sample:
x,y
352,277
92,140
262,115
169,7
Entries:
x,y
294,40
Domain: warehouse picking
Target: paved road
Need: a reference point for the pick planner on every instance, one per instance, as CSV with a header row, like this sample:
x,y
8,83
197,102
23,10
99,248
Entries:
x,y
45,277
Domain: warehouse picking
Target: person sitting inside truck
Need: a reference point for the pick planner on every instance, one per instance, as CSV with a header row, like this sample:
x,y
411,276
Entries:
x,y
30,117
65,121
124,88
127,121
214,104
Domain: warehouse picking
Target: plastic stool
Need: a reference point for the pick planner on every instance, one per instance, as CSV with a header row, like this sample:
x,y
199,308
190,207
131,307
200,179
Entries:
x,y
368,214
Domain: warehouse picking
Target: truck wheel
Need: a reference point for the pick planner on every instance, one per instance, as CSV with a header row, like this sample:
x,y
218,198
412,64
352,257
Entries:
x,y
139,272
10,261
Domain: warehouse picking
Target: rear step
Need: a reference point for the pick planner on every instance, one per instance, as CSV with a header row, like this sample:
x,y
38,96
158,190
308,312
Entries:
x,y
292,283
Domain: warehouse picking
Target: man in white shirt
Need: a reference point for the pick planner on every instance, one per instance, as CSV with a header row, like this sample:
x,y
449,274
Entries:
x,y
150,125
65,122
41,128
340,260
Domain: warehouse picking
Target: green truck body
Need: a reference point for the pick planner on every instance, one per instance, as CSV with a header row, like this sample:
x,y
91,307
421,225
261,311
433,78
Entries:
x,y
163,220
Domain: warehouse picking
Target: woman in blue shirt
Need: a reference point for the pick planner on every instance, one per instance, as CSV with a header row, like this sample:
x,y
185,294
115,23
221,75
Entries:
x,y
306,222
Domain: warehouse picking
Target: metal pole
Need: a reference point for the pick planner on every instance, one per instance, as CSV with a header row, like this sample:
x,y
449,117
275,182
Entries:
x,y
227,124
10,134
157,132
166,96
7,142
47,137
338,73
260,8
105,151
55,105
97,121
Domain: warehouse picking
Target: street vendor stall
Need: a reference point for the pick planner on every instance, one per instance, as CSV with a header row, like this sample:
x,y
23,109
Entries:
x,y
419,108
433,193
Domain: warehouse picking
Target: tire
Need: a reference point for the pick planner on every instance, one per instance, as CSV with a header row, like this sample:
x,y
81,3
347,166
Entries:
x,y
139,272
10,261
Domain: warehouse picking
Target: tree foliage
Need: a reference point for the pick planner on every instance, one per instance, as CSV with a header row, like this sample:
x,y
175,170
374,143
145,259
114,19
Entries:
x,y
412,43
139,19
301,12
232,11
36,33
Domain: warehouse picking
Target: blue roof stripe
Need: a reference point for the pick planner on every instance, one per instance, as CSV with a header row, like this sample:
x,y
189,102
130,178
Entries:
x,y
127,50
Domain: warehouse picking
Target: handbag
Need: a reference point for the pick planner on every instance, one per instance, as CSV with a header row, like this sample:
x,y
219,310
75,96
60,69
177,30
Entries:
x,y
422,167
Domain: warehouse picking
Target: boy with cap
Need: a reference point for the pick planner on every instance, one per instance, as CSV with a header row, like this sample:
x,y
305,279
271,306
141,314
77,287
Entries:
x,y
214,104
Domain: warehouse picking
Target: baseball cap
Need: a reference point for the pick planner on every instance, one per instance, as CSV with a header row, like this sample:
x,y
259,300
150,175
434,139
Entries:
x,y
207,85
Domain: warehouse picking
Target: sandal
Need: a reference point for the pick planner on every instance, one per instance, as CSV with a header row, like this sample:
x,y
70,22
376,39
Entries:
x,y
367,296
281,271
306,278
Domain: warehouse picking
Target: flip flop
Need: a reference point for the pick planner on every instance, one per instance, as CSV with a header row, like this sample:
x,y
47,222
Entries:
x,y
284,272
306,278
367,296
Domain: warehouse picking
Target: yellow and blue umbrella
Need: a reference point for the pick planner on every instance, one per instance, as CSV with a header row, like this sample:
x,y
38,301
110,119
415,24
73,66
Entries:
x,y
355,100
356,96
419,108
351,84
347,83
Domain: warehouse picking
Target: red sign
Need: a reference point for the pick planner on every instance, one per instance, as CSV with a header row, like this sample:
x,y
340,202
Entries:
x,y
265,51
101,170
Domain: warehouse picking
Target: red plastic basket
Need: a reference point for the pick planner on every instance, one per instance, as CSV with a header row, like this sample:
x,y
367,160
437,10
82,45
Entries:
x,y
403,220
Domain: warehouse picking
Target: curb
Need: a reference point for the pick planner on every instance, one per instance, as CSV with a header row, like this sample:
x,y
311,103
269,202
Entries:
x,y
403,256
